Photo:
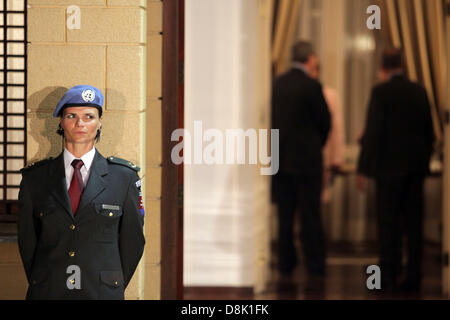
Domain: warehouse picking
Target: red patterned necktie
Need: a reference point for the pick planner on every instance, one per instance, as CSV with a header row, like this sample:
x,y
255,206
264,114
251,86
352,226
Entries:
x,y
76,185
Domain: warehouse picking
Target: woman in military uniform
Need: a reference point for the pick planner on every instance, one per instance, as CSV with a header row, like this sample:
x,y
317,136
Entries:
x,y
81,215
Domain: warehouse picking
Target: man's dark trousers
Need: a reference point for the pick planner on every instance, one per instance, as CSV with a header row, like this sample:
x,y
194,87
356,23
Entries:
x,y
400,208
300,192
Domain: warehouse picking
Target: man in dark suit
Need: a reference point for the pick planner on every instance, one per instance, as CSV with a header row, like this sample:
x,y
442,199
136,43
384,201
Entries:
x,y
395,150
81,216
301,114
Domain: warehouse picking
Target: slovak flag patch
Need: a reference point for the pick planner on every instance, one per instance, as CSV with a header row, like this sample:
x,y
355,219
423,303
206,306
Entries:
x,y
141,203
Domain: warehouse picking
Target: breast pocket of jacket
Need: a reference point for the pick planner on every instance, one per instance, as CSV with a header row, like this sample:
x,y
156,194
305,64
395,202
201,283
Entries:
x,y
108,216
49,223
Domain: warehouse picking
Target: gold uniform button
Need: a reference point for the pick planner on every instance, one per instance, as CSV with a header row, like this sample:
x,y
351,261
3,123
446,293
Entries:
x,y
41,214
111,214
115,282
72,227
72,281
72,253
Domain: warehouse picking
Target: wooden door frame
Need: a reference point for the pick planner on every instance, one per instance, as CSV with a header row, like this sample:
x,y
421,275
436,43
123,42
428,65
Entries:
x,y
446,174
172,181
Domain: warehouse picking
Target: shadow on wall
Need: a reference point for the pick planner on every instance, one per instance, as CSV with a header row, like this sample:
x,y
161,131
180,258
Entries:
x,y
44,142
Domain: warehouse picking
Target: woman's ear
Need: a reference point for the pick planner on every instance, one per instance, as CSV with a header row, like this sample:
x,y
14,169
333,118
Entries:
x,y
60,130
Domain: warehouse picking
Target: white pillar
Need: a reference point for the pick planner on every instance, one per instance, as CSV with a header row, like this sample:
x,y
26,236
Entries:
x,y
221,90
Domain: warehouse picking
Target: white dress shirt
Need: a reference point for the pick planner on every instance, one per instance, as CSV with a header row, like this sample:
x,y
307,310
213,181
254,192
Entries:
x,y
85,170
300,66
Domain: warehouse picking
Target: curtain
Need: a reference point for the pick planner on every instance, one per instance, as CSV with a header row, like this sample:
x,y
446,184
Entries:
x,y
285,22
417,26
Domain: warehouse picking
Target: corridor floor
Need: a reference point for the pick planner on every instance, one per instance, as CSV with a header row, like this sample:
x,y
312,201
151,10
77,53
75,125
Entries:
x,y
345,280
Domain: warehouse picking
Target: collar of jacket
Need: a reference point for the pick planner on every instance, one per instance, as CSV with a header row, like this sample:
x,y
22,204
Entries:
x,y
99,164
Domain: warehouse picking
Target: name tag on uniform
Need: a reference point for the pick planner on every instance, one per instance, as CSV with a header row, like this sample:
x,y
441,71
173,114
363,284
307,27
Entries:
x,y
110,207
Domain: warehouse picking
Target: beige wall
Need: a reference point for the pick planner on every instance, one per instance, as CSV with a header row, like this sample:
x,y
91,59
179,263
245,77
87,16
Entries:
x,y
118,50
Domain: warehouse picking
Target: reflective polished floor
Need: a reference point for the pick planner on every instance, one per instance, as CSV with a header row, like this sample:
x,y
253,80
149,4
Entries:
x,y
345,280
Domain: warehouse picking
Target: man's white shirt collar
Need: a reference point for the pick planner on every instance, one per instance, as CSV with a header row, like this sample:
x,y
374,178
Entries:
x,y
300,66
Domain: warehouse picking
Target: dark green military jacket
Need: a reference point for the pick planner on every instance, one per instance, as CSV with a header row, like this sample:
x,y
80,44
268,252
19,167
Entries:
x,y
105,238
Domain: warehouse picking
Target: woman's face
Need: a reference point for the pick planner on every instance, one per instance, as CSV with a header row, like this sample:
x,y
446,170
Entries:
x,y
80,124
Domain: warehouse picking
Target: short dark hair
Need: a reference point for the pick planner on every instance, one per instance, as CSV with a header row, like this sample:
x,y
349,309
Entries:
x,y
301,51
392,59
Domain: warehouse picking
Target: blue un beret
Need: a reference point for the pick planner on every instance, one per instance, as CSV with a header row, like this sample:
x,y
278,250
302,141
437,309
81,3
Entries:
x,y
82,95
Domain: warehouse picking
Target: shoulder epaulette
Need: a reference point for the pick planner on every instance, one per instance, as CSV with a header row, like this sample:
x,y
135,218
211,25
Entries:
x,y
123,162
36,164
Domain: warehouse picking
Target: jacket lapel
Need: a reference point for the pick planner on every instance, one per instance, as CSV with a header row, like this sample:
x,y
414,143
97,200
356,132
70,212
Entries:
x,y
96,183
59,187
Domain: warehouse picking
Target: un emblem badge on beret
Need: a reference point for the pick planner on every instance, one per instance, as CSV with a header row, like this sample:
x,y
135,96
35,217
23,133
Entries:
x,y
88,95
